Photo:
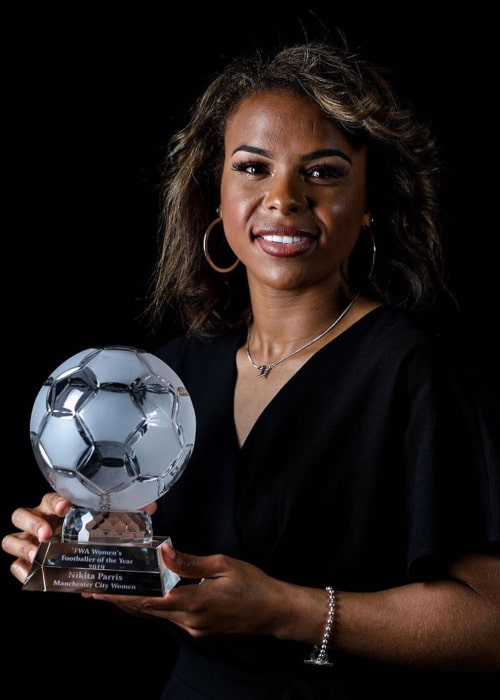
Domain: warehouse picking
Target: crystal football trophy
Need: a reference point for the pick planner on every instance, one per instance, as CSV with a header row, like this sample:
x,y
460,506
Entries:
x,y
112,429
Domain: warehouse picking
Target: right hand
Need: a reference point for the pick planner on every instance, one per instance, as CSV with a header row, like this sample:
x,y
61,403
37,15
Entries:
x,y
36,525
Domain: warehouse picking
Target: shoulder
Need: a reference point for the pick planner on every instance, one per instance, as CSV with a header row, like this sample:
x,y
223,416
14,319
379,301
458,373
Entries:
x,y
393,345
186,343
185,353
383,329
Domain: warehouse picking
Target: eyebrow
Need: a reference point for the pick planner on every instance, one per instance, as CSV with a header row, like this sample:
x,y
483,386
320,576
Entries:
x,y
322,153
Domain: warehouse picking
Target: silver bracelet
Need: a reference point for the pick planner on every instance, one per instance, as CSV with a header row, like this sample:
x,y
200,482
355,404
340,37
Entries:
x,y
319,657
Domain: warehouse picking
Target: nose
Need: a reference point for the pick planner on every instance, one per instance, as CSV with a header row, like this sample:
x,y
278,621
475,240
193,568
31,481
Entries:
x,y
286,194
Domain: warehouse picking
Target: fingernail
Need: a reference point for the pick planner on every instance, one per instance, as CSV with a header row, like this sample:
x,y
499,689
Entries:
x,y
169,550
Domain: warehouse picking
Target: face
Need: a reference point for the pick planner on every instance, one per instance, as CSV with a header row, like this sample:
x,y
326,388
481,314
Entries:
x,y
293,191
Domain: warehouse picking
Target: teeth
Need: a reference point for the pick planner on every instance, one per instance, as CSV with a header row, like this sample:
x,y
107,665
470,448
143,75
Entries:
x,y
283,239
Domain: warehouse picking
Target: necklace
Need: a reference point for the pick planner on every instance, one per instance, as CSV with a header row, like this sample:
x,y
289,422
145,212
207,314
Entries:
x,y
264,370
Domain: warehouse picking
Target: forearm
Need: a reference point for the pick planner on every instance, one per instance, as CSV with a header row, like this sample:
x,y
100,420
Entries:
x,y
449,625
444,625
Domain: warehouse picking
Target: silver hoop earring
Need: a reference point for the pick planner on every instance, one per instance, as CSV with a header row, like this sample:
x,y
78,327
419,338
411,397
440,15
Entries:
x,y
206,236
374,251
354,271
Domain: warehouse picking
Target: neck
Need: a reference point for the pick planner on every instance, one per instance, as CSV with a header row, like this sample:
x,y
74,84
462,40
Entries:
x,y
297,346
283,320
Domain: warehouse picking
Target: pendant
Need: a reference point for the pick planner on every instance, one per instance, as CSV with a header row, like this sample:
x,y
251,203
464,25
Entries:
x,y
264,371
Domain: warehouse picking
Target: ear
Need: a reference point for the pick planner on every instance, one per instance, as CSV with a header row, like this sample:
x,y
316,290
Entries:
x,y
367,220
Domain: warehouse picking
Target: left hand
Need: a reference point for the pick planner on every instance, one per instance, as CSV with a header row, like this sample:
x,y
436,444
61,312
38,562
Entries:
x,y
233,597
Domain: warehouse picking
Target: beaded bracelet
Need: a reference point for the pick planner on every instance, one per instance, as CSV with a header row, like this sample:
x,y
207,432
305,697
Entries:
x,y
319,657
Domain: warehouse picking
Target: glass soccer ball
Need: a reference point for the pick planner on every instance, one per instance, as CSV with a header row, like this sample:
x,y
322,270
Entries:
x,y
112,428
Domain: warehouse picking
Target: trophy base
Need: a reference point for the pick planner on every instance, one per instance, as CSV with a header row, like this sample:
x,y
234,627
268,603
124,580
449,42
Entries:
x,y
97,554
73,567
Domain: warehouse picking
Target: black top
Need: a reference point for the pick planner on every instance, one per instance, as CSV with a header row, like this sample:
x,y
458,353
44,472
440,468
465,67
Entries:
x,y
369,469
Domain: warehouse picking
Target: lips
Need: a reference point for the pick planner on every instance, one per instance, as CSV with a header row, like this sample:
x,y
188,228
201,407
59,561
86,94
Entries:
x,y
285,244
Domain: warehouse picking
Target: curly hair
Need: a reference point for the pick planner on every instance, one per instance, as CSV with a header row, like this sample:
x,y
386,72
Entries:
x,y
403,174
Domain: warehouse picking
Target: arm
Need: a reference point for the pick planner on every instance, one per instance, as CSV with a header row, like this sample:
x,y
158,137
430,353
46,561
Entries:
x,y
452,624
445,625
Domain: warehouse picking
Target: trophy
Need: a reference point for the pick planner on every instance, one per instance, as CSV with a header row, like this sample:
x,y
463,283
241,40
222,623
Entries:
x,y
112,429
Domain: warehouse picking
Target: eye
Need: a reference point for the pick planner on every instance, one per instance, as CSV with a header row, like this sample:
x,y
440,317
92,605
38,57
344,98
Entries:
x,y
250,167
326,172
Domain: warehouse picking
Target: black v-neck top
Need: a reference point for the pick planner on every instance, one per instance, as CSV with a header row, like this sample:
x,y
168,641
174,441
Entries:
x,y
368,469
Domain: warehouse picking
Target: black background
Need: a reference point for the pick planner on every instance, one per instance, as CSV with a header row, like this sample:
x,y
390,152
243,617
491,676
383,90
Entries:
x,y
90,100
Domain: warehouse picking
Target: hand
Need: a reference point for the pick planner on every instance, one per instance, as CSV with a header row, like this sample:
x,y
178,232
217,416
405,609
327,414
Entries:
x,y
37,525
228,596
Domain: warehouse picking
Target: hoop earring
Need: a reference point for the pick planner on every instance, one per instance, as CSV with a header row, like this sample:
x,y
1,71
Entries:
x,y
206,236
357,278
374,251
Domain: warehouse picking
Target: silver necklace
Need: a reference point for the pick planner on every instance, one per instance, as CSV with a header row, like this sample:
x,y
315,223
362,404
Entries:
x,y
264,370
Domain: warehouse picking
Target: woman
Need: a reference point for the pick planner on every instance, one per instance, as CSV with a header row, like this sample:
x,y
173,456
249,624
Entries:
x,y
340,505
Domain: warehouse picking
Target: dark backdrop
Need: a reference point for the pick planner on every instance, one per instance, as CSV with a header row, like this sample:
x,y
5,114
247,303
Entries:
x,y
90,103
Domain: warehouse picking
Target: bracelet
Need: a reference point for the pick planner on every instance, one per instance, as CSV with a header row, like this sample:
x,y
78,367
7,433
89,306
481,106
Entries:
x,y
319,657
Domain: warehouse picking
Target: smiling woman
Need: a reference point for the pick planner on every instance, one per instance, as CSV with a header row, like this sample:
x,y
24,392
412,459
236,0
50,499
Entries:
x,y
337,505
303,189
300,178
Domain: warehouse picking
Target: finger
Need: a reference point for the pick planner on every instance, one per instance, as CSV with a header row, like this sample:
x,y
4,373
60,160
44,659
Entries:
x,y
20,569
20,545
41,521
191,566
33,523
54,504
126,602
150,508
135,605
24,548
